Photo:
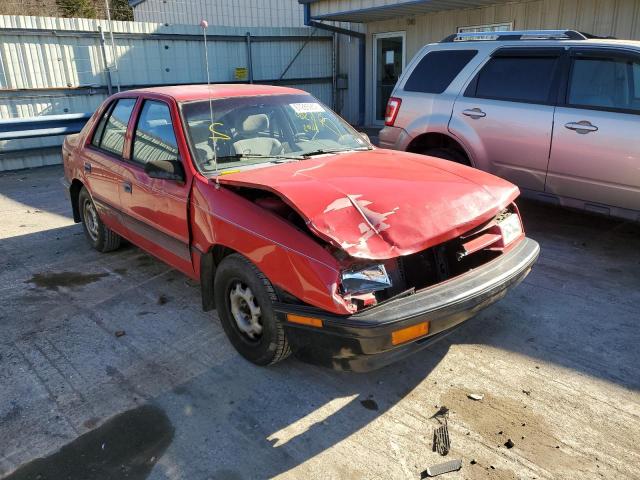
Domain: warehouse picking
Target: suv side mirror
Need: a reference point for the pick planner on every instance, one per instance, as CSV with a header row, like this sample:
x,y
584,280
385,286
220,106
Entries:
x,y
165,170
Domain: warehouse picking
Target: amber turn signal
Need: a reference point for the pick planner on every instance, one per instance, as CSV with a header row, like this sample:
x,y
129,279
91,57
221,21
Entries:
x,y
410,333
301,320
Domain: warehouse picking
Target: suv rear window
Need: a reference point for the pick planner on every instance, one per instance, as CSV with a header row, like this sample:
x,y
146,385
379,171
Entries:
x,y
436,70
518,79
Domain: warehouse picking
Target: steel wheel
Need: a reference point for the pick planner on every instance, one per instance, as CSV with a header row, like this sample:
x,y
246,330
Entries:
x,y
244,301
246,312
101,237
90,217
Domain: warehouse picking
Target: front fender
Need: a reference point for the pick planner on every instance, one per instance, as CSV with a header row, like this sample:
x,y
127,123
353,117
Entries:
x,y
289,257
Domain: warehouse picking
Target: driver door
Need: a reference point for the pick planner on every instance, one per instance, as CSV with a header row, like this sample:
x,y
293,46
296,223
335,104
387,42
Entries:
x,y
155,210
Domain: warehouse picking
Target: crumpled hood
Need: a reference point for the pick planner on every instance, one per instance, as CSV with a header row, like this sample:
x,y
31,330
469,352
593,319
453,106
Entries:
x,y
382,204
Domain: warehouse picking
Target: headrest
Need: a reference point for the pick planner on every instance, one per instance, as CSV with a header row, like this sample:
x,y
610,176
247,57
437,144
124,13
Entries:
x,y
255,123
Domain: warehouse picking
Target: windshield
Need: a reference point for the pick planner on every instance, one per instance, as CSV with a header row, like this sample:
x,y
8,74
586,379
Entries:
x,y
247,131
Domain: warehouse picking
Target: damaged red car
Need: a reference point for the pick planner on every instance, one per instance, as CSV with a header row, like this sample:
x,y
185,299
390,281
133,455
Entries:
x,y
303,236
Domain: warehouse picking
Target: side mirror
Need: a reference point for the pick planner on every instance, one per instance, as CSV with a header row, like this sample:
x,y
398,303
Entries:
x,y
165,170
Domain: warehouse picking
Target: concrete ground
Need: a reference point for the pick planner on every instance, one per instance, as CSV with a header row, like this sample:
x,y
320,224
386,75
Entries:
x,y
108,369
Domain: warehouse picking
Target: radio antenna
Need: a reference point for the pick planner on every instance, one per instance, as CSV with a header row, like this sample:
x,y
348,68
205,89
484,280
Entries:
x,y
204,24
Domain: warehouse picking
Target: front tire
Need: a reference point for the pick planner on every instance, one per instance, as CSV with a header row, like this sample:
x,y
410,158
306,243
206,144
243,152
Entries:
x,y
101,237
244,301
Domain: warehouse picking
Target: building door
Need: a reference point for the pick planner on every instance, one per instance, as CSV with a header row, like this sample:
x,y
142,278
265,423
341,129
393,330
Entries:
x,y
388,63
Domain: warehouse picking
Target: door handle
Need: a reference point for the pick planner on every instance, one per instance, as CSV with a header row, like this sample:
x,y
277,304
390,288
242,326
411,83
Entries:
x,y
583,127
474,113
87,167
126,186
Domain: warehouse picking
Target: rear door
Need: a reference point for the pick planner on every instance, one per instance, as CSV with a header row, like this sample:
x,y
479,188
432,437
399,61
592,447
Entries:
x,y
103,157
595,155
156,209
505,115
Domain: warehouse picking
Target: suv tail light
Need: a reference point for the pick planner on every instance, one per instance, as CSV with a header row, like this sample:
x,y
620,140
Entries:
x,y
393,107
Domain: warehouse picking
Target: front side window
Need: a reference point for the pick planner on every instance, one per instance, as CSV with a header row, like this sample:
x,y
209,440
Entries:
x,y
154,139
109,136
247,131
436,70
525,79
605,83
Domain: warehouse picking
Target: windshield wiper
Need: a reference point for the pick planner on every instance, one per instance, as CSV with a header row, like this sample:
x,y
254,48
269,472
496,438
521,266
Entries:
x,y
240,156
322,151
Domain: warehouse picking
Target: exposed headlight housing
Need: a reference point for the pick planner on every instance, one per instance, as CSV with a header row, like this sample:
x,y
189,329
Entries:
x,y
510,228
365,280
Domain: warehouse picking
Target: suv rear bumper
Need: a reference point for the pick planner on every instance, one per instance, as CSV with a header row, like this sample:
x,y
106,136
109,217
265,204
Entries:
x,y
362,342
393,138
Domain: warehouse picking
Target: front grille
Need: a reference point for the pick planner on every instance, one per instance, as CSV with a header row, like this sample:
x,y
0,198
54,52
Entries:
x,y
438,264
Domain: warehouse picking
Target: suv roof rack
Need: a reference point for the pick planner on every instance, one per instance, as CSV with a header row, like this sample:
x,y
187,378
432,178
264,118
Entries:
x,y
517,35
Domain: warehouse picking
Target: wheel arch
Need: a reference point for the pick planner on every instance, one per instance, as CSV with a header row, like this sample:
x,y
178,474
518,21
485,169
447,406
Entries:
x,y
430,140
74,193
209,262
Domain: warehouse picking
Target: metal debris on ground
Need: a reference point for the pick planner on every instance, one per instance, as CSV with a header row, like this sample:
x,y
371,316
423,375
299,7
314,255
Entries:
x,y
120,333
446,467
441,441
476,396
442,411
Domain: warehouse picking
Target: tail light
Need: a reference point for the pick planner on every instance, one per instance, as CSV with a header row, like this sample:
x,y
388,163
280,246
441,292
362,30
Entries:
x,y
393,107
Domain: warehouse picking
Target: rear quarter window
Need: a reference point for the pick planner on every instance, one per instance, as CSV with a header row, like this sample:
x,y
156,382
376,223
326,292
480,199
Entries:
x,y
435,72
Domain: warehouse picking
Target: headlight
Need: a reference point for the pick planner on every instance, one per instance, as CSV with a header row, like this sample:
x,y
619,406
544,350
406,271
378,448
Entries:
x,y
365,280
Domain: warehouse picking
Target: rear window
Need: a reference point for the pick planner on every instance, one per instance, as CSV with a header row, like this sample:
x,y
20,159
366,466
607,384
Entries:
x,y
517,79
436,70
111,131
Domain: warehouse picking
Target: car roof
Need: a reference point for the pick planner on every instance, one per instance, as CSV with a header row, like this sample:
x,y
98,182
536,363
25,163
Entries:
x,y
187,93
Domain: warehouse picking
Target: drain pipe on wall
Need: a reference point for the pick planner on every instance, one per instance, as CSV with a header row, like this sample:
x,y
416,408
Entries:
x,y
362,39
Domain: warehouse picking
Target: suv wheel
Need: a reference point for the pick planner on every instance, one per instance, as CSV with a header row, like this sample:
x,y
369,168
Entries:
x,y
447,154
101,237
244,301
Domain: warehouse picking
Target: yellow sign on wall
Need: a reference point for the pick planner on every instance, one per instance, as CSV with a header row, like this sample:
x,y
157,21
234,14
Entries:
x,y
241,73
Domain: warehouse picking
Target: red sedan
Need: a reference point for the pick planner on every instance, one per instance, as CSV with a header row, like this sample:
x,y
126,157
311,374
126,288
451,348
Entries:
x,y
303,236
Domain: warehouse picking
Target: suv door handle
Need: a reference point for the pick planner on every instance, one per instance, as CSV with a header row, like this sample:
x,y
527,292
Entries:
x,y
126,186
583,127
474,113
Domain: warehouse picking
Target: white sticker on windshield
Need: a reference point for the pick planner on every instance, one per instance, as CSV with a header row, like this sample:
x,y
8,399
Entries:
x,y
307,107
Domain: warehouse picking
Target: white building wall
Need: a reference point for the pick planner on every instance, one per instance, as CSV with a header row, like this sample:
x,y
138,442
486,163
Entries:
x,y
230,13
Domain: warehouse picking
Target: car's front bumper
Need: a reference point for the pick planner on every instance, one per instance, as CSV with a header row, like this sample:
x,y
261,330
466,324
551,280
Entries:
x,y
362,342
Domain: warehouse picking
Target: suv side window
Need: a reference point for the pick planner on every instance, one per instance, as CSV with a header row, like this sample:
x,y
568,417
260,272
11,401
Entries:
x,y
112,128
436,70
607,83
517,78
154,138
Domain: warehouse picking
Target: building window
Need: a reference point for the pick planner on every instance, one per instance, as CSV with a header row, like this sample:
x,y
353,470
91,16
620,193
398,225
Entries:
x,y
490,27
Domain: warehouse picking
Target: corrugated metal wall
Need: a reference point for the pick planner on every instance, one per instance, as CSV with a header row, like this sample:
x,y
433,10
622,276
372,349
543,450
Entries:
x,y
232,13
55,66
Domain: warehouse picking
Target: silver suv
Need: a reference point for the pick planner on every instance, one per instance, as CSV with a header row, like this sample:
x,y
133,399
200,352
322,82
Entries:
x,y
555,112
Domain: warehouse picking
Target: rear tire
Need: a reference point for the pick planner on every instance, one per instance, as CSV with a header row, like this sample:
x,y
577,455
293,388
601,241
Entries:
x,y
101,237
244,301
448,154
